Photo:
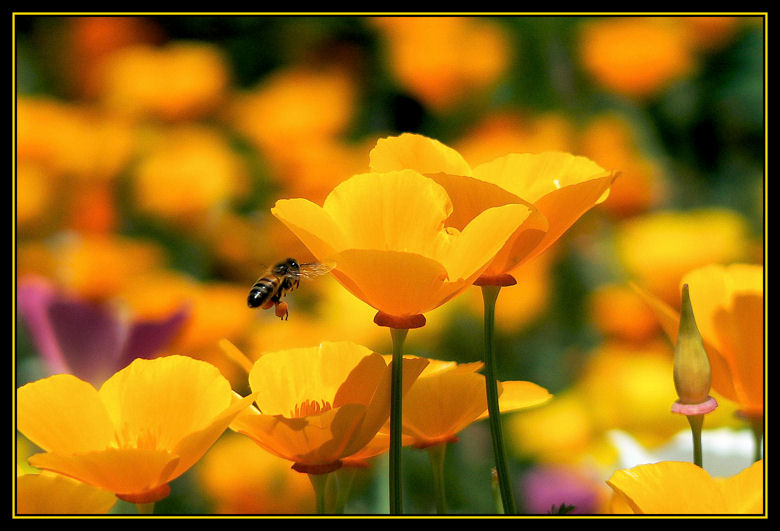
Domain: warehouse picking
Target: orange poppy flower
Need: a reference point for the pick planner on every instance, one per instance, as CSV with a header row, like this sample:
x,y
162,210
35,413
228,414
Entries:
x,y
317,406
673,487
728,302
386,234
448,397
558,186
147,425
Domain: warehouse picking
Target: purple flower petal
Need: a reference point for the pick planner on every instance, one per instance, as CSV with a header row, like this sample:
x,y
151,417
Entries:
x,y
34,296
548,486
148,338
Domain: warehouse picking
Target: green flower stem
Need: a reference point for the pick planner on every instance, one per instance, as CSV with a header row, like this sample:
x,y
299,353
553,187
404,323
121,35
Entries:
x,y
145,508
437,454
696,422
489,296
343,479
396,425
319,482
757,427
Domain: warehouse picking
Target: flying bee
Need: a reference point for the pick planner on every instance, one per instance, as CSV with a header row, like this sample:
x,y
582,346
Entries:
x,y
279,280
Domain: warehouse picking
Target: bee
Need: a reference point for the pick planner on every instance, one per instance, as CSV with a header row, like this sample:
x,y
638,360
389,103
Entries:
x,y
278,281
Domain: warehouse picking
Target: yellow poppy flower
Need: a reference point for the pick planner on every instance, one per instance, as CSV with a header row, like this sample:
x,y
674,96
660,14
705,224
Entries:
x,y
317,406
558,186
147,425
728,302
673,487
386,234
448,397
47,493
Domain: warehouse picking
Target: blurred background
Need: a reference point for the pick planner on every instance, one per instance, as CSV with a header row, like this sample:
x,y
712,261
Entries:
x,y
149,150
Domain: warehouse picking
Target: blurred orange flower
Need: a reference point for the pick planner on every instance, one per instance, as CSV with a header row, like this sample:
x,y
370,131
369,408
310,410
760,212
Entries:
x,y
635,56
511,131
52,494
443,60
618,312
672,487
728,302
386,234
178,81
610,142
94,266
242,478
317,406
147,425
559,186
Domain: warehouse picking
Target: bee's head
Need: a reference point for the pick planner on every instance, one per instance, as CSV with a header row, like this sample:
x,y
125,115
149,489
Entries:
x,y
288,266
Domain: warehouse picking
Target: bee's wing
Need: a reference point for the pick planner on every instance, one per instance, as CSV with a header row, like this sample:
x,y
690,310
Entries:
x,y
315,269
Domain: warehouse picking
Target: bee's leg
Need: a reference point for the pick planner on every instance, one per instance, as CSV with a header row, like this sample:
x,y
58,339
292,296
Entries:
x,y
268,304
281,310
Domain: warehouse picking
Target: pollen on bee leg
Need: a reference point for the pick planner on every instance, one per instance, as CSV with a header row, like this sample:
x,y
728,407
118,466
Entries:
x,y
268,305
281,310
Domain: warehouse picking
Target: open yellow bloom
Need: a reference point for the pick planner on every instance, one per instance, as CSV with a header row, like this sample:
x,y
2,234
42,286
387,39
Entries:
x,y
317,406
559,186
147,425
386,234
672,487
728,302
448,397
47,493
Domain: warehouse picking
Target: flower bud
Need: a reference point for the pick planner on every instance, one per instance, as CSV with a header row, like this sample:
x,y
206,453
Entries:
x,y
692,375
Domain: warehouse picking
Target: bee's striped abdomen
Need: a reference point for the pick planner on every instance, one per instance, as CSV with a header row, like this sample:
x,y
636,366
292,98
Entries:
x,y
263,291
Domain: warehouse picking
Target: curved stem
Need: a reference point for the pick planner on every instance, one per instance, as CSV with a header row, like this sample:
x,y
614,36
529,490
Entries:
x,y
396,425
696,422
437,454
489,296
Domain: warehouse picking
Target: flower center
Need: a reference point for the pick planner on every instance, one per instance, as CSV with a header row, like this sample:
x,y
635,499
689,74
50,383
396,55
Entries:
x,y
311,407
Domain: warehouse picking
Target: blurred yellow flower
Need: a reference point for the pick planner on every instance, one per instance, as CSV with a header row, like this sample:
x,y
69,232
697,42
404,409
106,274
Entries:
x,y
293,108
34,196
635,56
673,487
189,172
443,60
386,234
610,142
658,248
147,425
317,406
241,478
52,494
559,186
177,81
728,302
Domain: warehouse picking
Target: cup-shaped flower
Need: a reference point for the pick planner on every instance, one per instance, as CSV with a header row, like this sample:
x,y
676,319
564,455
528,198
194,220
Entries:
x,y
448,397
317,406
386,234
559,186
728,302
145,426
89,340
676,487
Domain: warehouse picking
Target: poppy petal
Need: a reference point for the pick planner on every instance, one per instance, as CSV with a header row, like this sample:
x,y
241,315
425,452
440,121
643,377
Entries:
x,y
47,493
64,414
417,152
